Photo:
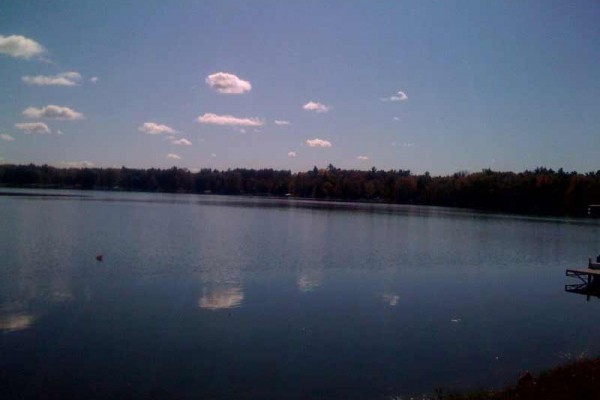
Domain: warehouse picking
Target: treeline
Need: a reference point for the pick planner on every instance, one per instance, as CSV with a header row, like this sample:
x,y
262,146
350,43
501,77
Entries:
x,y
542,191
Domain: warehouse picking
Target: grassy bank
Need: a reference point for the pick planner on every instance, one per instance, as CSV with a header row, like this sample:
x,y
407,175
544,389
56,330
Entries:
x,y
577,380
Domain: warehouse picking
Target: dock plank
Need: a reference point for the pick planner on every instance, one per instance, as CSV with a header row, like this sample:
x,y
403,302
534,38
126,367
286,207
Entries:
x,y
585,271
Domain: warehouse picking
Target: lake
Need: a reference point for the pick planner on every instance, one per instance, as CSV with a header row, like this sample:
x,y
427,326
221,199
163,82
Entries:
x,y
208,297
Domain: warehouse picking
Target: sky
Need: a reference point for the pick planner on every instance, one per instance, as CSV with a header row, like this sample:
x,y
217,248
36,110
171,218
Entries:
x,y
438,86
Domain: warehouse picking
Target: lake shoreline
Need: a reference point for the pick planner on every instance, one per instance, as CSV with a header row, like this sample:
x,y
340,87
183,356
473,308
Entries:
x,y
579,379
382,202
542,192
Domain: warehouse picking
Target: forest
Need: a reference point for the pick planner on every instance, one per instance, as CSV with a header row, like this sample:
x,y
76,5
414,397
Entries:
x,y
542,191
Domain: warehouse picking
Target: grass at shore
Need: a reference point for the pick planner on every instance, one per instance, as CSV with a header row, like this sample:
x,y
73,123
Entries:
x,y
577,380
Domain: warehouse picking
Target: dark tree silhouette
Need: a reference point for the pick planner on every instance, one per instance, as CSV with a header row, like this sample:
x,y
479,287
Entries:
x,y
542,191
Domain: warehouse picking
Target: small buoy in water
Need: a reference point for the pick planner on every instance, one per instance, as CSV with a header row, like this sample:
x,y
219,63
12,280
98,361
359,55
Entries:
x,y
99,257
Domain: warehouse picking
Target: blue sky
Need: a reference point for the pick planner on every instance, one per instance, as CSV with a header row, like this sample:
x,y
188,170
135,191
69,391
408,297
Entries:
x,y
426,86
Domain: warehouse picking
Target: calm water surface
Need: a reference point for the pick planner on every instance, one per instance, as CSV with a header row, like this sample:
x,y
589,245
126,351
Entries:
x,y
203,297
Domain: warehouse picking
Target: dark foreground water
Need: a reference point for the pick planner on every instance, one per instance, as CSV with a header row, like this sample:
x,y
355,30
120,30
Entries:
x,y
203,297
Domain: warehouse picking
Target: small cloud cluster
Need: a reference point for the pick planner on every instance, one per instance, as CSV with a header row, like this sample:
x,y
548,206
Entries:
x,y
362,158
317,143
52,112
228,120
280,122
94,79
316,107
172,156
64,79
227,83
181,142
20,47
394,144
152,128
33,127
400,96
292,154
25,48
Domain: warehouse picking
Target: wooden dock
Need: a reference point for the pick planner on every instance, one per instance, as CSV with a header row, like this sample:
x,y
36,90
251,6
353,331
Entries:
x,y
589,282
585,275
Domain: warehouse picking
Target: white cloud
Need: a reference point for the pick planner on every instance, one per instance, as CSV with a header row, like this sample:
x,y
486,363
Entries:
x,y
226,83
153,128
396,118
64,79
20,46
94,79
33,127
58,132
317,107
181,142
317,143
213,155
292,154
228,120
400,96
362,158
77,164
7,137
394,144
173,156
279,122
53,112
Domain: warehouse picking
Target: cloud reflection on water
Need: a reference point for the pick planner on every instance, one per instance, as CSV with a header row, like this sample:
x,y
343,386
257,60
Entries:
x,y
15,322
221,298
390,299
309,282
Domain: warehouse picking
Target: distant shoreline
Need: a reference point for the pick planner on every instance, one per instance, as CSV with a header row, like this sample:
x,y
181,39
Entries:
x,y
29,194
541,192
